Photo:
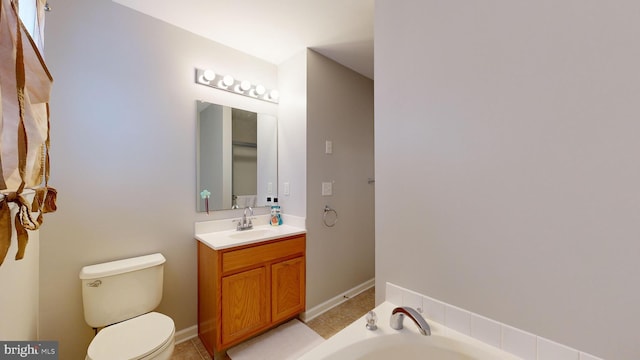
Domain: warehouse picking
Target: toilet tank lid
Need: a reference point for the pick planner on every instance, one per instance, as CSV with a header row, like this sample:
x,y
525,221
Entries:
x,y
121,266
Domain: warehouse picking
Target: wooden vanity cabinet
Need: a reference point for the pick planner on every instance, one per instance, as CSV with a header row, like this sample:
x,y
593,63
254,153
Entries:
x,y
245,290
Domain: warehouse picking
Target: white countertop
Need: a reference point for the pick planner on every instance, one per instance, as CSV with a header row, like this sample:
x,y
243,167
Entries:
x,y
217,234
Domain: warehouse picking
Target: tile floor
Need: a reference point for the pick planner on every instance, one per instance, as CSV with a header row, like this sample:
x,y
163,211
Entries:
x,y
326,325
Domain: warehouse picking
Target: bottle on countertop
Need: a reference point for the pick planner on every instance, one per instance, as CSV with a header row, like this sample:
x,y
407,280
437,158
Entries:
x,y
276,215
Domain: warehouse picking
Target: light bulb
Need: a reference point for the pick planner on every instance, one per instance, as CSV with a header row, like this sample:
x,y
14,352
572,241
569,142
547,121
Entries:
x,y
260,90
243,87
228,80
274,95
209,75
206,77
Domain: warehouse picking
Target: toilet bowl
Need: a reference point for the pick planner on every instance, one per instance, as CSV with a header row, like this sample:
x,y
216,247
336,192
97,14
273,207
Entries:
x,y
148,336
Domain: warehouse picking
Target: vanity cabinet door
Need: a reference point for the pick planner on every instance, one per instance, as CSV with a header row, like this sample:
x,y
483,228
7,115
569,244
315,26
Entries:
x,y
245,304
287,288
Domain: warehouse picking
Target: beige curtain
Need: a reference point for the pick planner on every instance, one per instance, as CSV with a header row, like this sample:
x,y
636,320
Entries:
x,y
25,85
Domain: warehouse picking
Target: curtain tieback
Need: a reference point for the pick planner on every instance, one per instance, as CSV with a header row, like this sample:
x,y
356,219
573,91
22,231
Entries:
x,y
23,221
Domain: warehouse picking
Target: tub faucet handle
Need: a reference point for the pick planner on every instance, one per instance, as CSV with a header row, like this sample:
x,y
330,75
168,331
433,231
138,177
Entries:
x,y
371,320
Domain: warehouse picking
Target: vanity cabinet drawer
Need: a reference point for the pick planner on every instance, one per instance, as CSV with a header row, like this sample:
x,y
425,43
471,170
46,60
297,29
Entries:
x,y
248,257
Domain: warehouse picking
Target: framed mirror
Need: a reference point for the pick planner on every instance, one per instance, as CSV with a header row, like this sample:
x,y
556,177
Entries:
x,y
237,157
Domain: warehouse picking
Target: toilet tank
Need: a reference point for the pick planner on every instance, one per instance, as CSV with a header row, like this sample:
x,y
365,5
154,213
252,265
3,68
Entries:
x,y
119,290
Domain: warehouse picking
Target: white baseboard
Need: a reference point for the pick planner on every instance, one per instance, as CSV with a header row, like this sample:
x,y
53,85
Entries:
x,y
186,334
335,301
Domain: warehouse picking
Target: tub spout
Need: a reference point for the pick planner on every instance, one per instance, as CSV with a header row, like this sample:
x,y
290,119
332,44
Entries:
x,y
398,314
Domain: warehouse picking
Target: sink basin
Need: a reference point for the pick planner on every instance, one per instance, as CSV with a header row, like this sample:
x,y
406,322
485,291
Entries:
x,y
252,234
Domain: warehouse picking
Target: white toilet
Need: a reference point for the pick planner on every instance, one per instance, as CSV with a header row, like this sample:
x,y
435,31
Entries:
x,y
120,296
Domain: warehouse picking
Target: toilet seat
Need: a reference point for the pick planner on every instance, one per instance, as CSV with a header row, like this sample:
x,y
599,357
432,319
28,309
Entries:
x,y
133,339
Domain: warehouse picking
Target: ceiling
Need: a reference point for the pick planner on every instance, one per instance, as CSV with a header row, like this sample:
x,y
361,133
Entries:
x,y
276,30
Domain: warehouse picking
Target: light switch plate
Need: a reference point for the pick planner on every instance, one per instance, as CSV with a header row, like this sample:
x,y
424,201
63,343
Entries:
x,y
327,189
286,188
328,147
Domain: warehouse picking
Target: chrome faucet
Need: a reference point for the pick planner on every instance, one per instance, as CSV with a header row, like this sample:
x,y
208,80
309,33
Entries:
x,y
398,314
245,223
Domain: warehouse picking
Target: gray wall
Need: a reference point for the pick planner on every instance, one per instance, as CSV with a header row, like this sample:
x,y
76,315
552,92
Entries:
x,y
507,163
123,117
339,109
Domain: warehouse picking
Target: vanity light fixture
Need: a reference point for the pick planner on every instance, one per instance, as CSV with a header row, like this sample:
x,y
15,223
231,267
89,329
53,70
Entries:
x,y
209,78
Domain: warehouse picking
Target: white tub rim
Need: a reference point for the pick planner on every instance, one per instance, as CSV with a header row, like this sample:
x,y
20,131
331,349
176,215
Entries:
x,y
357,333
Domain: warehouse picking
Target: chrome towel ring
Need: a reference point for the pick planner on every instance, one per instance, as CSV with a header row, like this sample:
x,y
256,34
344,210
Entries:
x,y
330,216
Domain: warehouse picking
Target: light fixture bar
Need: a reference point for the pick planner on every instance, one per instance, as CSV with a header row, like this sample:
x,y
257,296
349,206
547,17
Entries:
x,y
212,79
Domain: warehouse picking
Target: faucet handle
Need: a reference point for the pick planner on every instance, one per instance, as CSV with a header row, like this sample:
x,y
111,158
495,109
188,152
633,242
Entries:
x,y
371,320
240,223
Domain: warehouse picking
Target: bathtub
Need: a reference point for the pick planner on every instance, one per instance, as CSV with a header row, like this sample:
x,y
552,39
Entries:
x,y
356,342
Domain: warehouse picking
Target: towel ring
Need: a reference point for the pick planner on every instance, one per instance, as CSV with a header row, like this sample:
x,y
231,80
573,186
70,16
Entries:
x,y
333,219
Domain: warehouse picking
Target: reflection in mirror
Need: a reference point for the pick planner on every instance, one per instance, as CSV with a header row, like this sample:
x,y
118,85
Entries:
x,y
237,157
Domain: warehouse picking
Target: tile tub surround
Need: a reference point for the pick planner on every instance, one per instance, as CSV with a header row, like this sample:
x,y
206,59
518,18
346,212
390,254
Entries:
x,y
517,342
